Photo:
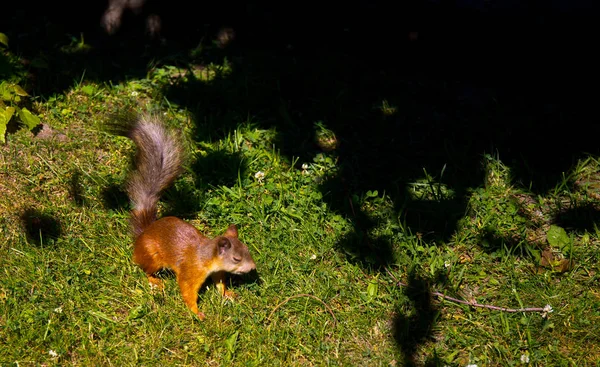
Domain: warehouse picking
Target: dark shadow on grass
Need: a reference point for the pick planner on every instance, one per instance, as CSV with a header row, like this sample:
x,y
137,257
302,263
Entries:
x,y
491,240
180,201
414,327
59,49
434,220
115,197
398,108
41,229
585,218
434,361
218,168
231,280
370,252
76,189
360,246
287,75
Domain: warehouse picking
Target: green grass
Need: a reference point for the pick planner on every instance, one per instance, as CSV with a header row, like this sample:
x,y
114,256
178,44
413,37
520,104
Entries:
x,y
329,252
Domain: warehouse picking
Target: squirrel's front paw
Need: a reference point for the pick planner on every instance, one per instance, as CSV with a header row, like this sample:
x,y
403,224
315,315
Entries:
x,y
154,283
201,315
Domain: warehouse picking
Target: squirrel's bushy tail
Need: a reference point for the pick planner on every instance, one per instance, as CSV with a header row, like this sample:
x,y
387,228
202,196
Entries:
x,y
158,162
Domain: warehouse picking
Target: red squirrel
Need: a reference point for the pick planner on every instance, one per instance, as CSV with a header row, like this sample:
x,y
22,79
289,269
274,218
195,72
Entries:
x,y
170,242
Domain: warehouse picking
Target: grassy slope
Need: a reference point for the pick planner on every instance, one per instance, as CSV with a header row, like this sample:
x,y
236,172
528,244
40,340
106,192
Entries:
x,y
323,295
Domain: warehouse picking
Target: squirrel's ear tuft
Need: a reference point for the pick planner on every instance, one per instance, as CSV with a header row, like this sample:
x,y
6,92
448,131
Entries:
x,y
231,231
224,244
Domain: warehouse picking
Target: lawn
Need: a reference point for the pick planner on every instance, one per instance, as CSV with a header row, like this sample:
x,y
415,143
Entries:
x,y
387,208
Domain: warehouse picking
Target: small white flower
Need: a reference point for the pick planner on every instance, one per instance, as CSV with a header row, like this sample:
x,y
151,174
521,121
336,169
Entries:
x,y
260,175
58,309
313,257
446,264
547,309
471,365
525,358
304,166
134,94
52,353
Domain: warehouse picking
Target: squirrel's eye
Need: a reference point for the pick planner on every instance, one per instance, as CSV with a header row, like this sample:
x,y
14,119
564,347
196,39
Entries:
x,y
237,259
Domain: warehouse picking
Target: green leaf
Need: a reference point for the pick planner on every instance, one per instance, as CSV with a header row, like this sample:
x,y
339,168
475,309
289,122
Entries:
x,y
372,289
268,200
557,237
5,92
230,342
2,130
372,194
536,254
29,118
524,321
137,312
19,91
88,89
4,39
5,116
450,358
548,325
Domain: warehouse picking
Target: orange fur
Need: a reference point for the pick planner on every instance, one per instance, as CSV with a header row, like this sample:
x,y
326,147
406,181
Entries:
x,y
170,242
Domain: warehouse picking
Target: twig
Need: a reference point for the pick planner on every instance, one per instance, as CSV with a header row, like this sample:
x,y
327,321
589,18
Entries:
x,y
302,295
544,310
491,307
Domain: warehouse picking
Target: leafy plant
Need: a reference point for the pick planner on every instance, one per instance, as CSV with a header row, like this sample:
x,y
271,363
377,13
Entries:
x,y
4,39
10,96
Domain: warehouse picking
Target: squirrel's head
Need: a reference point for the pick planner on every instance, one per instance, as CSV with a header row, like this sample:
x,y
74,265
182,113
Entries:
x,y
235,257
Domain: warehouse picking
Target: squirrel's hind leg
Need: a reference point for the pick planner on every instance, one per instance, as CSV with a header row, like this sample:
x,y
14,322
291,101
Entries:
x,y
149,265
